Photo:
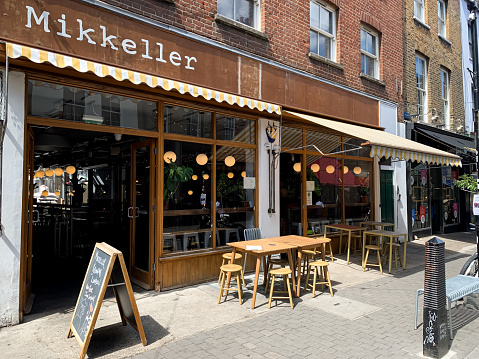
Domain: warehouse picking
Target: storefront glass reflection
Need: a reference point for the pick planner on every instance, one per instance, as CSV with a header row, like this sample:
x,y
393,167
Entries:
x,y
420,184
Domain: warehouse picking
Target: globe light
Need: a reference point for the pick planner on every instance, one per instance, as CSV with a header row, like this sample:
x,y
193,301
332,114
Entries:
x,y
169,156
297,167
357,170
45,193
230,161
57,193
58,171
345,169
49,172
71,170
206,176
330,169
40,173
230,175
194,177
243,174
201,159
190,192
315,167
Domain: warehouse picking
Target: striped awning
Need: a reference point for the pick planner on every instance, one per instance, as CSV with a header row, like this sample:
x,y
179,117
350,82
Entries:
x,y
387,145
61,61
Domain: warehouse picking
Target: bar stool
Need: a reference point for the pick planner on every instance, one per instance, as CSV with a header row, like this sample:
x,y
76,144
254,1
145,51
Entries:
x,y
169,242
324,273
285,272
308,255
376,248
396,253
273,262
226,260
193,239
328,243
235,270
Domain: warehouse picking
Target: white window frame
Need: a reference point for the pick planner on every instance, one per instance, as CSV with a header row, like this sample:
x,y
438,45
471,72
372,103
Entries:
x,y
256,14
422,116
445,98
442,30
324,33
370,55
419,10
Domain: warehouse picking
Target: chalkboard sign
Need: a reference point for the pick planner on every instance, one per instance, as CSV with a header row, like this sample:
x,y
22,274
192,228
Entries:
x,y
103,268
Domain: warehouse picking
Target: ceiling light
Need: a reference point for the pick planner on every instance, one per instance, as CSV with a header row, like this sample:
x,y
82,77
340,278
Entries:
x,y
243,174
330,169
357,170
71,170
201,159
169,156
230,175
58,171
206,176
194,177
297,167
345,169
230,161
315,167
49,172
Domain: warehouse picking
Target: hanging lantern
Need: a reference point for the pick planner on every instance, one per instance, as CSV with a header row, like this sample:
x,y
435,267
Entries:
x,y
297,167
49,172
206,176
57,193
230,161
330,169
243,174
357,170
194,177
345,169
58,171
45,193
315,167
169,156
230,175
40,173
201,159
71,170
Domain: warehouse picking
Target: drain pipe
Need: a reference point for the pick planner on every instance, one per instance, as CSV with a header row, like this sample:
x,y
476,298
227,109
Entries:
x,y
3,129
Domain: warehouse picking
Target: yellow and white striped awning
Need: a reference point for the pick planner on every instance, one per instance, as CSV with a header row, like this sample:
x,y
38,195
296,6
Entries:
x,y
101,70
387,145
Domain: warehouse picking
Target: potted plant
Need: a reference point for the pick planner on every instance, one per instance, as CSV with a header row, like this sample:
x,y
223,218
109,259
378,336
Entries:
x,y
174,175
363,193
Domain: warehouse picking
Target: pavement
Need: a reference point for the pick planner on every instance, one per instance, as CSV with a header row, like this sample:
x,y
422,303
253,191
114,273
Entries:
x,y
370,316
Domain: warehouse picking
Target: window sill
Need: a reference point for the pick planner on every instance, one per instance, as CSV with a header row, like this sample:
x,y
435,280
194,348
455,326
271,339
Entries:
x,y
248,29
326,61
419,22
372,79
443,39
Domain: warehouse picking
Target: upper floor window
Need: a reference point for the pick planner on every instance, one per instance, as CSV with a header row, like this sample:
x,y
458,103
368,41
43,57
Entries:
x,y
445,97
421,88
323,30
369,53
419,9
243,11
441,14
469,38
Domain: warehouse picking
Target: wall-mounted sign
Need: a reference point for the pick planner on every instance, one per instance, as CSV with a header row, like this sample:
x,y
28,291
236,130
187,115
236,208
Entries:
x,y
475,208
309,198
249,182
271,132
309,186
454,176
422,214
423,177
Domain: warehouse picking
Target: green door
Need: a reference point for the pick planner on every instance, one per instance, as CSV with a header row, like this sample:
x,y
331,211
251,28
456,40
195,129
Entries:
x,y
387,197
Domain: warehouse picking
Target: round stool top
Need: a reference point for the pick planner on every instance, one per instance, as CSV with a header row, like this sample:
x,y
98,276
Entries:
x,y
327,239
310,252
372,246
228,256
319,264
231,267
280,271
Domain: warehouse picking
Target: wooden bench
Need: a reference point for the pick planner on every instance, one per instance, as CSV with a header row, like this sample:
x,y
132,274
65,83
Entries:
x,y
456,288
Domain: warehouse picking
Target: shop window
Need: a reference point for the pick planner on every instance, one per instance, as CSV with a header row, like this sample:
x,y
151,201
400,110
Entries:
x,y
421,88
291,138
187,196
235,192
369,53
352,147
187,121
441,15
49,100
290,193
243,11
449,196
324,142
357,194
419,182
322,30
230,128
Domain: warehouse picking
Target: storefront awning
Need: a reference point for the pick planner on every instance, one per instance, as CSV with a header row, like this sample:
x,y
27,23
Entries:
x,y
463,145
61,61
386,145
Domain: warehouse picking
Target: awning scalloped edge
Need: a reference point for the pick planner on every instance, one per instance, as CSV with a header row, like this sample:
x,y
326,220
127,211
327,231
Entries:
x,y
408,155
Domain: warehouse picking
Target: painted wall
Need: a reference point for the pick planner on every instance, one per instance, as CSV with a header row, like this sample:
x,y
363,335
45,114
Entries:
x,y
12,202
268,222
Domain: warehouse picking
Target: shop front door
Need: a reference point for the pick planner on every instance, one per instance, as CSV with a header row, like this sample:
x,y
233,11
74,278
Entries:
x,y
142,213
387,196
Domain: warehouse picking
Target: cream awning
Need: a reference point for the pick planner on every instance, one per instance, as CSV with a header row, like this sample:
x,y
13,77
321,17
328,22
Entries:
x,y
101,70
387,145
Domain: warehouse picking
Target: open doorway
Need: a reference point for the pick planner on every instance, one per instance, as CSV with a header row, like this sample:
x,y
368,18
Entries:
x,y
88,187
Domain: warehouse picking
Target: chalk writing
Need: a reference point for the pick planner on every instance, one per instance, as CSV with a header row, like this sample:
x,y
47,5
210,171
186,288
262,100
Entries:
x,y
442,331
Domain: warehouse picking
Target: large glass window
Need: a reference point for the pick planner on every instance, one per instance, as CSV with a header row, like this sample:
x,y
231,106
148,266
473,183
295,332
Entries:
x,y
230,128
49,100
243,11
357,193
445,97
369,53
421,88
323,30
420,183
187,121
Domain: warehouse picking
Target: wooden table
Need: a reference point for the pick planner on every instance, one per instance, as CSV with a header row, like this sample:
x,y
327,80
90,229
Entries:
x,y
302,243
391,235
343,227
373,224
268,247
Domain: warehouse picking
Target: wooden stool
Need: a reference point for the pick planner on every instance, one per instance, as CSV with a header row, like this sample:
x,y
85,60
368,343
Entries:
x,y
328,243
376,248
324,276
308,255
234,269
355,239
396,253
274,262
226,260
285,272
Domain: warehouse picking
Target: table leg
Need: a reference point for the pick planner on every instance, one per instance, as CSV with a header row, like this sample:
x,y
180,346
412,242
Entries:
x,y
390,252
228,278
290,260
364,245
404,258
349,245
265,269
340,240
298,275
256,277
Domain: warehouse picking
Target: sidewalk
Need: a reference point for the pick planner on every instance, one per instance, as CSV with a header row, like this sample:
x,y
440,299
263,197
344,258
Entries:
x,y
370,316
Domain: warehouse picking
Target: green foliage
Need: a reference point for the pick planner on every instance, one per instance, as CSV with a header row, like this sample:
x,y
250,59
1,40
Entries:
x,y
225,186
363,191
467,183
174,175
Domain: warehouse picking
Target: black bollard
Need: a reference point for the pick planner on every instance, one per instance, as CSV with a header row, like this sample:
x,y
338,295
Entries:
x,y
435,340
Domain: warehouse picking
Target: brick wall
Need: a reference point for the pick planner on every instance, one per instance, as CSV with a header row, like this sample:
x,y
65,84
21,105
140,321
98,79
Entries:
x,y
286,23
439,54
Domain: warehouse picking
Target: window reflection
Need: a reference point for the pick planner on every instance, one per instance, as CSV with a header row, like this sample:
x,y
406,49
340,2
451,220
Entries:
x,y
357,194
187,121
419,182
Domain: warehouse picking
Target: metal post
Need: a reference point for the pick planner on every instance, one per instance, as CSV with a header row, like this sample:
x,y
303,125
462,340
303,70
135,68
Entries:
x,y
473,9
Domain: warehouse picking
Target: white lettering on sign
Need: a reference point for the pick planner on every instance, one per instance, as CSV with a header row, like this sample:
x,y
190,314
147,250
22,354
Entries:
x,y
128,46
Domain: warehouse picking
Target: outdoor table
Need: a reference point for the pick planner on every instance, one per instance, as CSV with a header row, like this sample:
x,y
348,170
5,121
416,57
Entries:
x,y
373,224
300,244
268,247
343,227
391,235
